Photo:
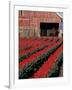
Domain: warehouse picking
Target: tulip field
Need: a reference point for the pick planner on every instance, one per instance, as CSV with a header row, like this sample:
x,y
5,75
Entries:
x,y
40,57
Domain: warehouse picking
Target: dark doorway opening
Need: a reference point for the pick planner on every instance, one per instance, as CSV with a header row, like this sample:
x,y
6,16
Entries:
x,y
49,29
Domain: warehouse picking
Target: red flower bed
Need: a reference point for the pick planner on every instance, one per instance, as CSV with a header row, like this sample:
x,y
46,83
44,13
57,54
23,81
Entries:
x,y
34,56
34,46
38,47
42,72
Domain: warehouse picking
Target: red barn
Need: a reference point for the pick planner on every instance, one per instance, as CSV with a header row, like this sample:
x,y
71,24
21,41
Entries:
x,y
38,23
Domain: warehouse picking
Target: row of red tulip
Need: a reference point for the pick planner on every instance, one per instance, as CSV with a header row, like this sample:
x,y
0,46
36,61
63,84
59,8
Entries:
x,y
35,49
23,52
46,67
34,56
30,42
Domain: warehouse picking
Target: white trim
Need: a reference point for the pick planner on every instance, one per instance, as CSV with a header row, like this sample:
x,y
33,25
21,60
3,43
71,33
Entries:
x,y
14,7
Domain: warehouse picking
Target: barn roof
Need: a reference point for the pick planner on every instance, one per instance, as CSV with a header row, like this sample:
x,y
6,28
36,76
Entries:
x,y
60,14
41,15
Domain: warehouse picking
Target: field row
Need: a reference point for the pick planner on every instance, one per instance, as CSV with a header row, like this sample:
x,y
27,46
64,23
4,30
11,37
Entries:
x,y
40,57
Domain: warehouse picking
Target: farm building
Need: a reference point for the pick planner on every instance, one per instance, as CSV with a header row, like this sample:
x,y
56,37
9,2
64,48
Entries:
x,y
39,23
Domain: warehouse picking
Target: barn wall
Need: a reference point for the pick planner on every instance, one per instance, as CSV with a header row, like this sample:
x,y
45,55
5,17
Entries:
x,y
29,22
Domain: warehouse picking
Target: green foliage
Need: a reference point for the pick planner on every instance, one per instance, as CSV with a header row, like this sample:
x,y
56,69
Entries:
x,y
27,48
54,72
